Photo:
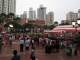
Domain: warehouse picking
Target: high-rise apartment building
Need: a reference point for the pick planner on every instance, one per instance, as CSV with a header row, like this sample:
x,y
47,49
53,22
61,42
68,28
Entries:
x,y
79,13
24,15
12,6
7,6
41,13
32,14
50,18
71,16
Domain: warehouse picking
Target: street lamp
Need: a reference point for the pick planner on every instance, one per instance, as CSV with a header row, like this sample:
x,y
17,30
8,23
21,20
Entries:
x,y
11,26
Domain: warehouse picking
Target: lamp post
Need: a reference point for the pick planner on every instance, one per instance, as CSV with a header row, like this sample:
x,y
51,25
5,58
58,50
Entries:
x,y
10,35
11,25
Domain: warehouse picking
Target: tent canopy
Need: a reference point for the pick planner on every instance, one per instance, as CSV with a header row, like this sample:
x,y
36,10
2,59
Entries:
x,y
64,28
67,28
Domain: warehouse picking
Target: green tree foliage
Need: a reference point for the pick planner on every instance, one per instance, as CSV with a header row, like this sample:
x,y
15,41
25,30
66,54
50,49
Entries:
x,y
49,27
16,19
2,17
77,38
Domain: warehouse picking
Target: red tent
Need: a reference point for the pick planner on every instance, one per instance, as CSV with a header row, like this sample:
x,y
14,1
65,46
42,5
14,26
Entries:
x,y
67,28
62,29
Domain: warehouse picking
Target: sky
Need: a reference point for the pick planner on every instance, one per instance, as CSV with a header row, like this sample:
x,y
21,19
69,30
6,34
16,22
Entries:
x,y
59,7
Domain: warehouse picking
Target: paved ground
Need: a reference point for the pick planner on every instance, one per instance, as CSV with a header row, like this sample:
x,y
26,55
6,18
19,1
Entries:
x,y
40,55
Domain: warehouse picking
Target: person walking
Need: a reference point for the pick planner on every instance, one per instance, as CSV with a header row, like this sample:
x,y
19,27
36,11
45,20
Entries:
x,y
15,56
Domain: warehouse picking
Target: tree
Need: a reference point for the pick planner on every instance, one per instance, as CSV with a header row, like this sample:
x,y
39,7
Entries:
x,y
77,38
16,19
10,16
48,27
16,26
2,17
28,26
52,26
56,23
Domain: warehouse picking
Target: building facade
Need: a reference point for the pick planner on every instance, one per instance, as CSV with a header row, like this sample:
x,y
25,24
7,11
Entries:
x,y
49,18
24,15
71,16
7,6
32,14
79,13
37,22
41,13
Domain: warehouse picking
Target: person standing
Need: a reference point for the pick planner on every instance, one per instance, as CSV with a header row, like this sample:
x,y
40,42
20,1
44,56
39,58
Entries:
x,y
21,44
69,49
40,41
32,44
27,43
10,40
57,45
1,43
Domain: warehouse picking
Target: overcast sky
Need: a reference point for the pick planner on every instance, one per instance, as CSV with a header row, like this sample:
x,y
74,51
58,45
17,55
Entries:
x,y
59,7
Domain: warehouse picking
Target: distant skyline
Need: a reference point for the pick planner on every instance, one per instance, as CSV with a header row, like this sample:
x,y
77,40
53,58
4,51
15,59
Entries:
x,y
59,7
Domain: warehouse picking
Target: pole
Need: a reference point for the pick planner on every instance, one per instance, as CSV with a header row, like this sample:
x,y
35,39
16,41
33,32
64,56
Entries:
x,y
76,29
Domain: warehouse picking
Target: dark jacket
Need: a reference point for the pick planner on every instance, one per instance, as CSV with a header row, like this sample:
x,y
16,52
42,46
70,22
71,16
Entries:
x,y
17,57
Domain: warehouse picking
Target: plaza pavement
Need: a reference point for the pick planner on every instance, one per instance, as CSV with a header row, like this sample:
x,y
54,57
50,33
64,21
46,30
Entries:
x,y
40,54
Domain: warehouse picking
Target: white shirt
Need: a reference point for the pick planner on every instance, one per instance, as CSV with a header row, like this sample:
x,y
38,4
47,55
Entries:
x,y
27,42
21,41
10,38
40,39
32,41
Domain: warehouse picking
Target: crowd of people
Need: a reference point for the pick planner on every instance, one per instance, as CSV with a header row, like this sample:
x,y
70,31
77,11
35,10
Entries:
x,y
28,42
